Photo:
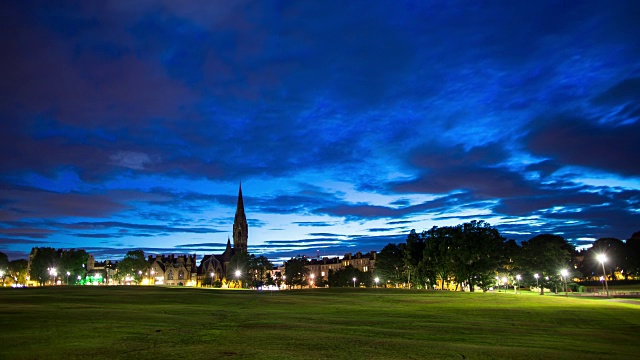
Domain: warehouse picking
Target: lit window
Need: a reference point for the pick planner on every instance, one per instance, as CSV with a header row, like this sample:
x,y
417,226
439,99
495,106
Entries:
x,y
323,273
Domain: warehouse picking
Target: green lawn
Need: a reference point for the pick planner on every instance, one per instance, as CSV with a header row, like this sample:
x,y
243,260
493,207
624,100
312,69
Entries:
x,y
185,323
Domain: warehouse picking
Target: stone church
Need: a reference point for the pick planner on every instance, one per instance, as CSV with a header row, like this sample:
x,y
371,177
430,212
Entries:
x,y
218,264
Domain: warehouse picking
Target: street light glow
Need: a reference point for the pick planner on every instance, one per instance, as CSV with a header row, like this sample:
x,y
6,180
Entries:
x,y
238,273
601,258
564,272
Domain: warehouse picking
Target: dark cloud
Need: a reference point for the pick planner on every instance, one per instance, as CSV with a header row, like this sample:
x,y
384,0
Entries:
x,y
571,141
106,225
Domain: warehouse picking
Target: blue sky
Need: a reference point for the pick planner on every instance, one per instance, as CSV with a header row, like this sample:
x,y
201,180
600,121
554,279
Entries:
x,y
127,125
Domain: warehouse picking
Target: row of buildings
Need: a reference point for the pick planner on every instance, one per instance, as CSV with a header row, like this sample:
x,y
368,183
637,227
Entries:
x,y
184,270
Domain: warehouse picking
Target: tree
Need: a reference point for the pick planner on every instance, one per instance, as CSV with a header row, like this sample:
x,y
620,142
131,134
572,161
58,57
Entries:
x,y
260,266
43,261
134,264
614,251
295,271
546,255
18,270
632,252
477,254
344,277
413,254
390,263
438,255
4,266
238,268
73,261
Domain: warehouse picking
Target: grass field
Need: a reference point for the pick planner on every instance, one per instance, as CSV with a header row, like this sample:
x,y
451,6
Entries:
x,y
187,323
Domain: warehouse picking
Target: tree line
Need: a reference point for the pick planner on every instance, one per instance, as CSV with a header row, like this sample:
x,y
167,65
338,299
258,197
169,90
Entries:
x,y
474,254
70,266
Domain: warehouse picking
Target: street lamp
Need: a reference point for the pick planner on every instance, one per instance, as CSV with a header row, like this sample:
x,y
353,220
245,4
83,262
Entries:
x,y
564,274
376,280
602,259
312,276
536,276
354,282
53,273
238,273
515,289
212,275
153,277
504,280
68,277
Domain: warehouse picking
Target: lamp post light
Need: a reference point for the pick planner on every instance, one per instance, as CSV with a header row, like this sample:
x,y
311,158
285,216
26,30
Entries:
x,y
79,278
68,277
377,279
153,277
536,276
354,282
212,275
238,273
564,274
504,281
515,289
312,276
601,258
53,273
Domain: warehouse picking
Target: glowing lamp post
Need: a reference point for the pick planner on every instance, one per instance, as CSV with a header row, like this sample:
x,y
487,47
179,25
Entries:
x,y
53,273
354,282
536,276
601,258
564,274
377,280
515,288
212,275
68,273
312,276
504,281
153,277
238,273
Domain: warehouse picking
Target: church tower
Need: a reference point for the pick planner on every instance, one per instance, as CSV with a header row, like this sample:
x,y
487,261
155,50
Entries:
x,y
240,227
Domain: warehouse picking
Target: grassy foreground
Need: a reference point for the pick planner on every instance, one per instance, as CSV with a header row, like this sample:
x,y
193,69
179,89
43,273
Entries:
x,y
185,323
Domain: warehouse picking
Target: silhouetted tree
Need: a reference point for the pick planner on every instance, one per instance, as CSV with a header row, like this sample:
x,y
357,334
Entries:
x,y
18,270
44,259
413,253
295,271
632,253
437,262
614,251
546,255
4,266
134,264
389,263
73,261
344,277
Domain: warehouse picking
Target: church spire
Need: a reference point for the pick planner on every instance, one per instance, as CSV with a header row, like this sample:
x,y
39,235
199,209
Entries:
x,y
240,227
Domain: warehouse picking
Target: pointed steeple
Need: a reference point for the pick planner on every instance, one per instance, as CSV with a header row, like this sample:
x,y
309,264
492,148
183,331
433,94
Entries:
x,y
240,227
228,249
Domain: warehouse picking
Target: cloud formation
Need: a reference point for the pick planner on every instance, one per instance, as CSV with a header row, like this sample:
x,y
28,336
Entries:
x,y
131,124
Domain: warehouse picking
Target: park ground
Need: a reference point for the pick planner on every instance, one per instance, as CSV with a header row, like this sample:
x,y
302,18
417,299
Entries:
x,y
127,322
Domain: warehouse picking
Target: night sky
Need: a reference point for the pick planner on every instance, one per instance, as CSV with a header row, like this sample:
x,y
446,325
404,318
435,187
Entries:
x,y
130,124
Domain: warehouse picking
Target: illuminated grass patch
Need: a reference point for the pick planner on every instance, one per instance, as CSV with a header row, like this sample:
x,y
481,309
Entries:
x,y
146,323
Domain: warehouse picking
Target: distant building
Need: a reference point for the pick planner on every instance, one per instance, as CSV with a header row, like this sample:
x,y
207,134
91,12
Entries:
x,y
215,267
173,270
